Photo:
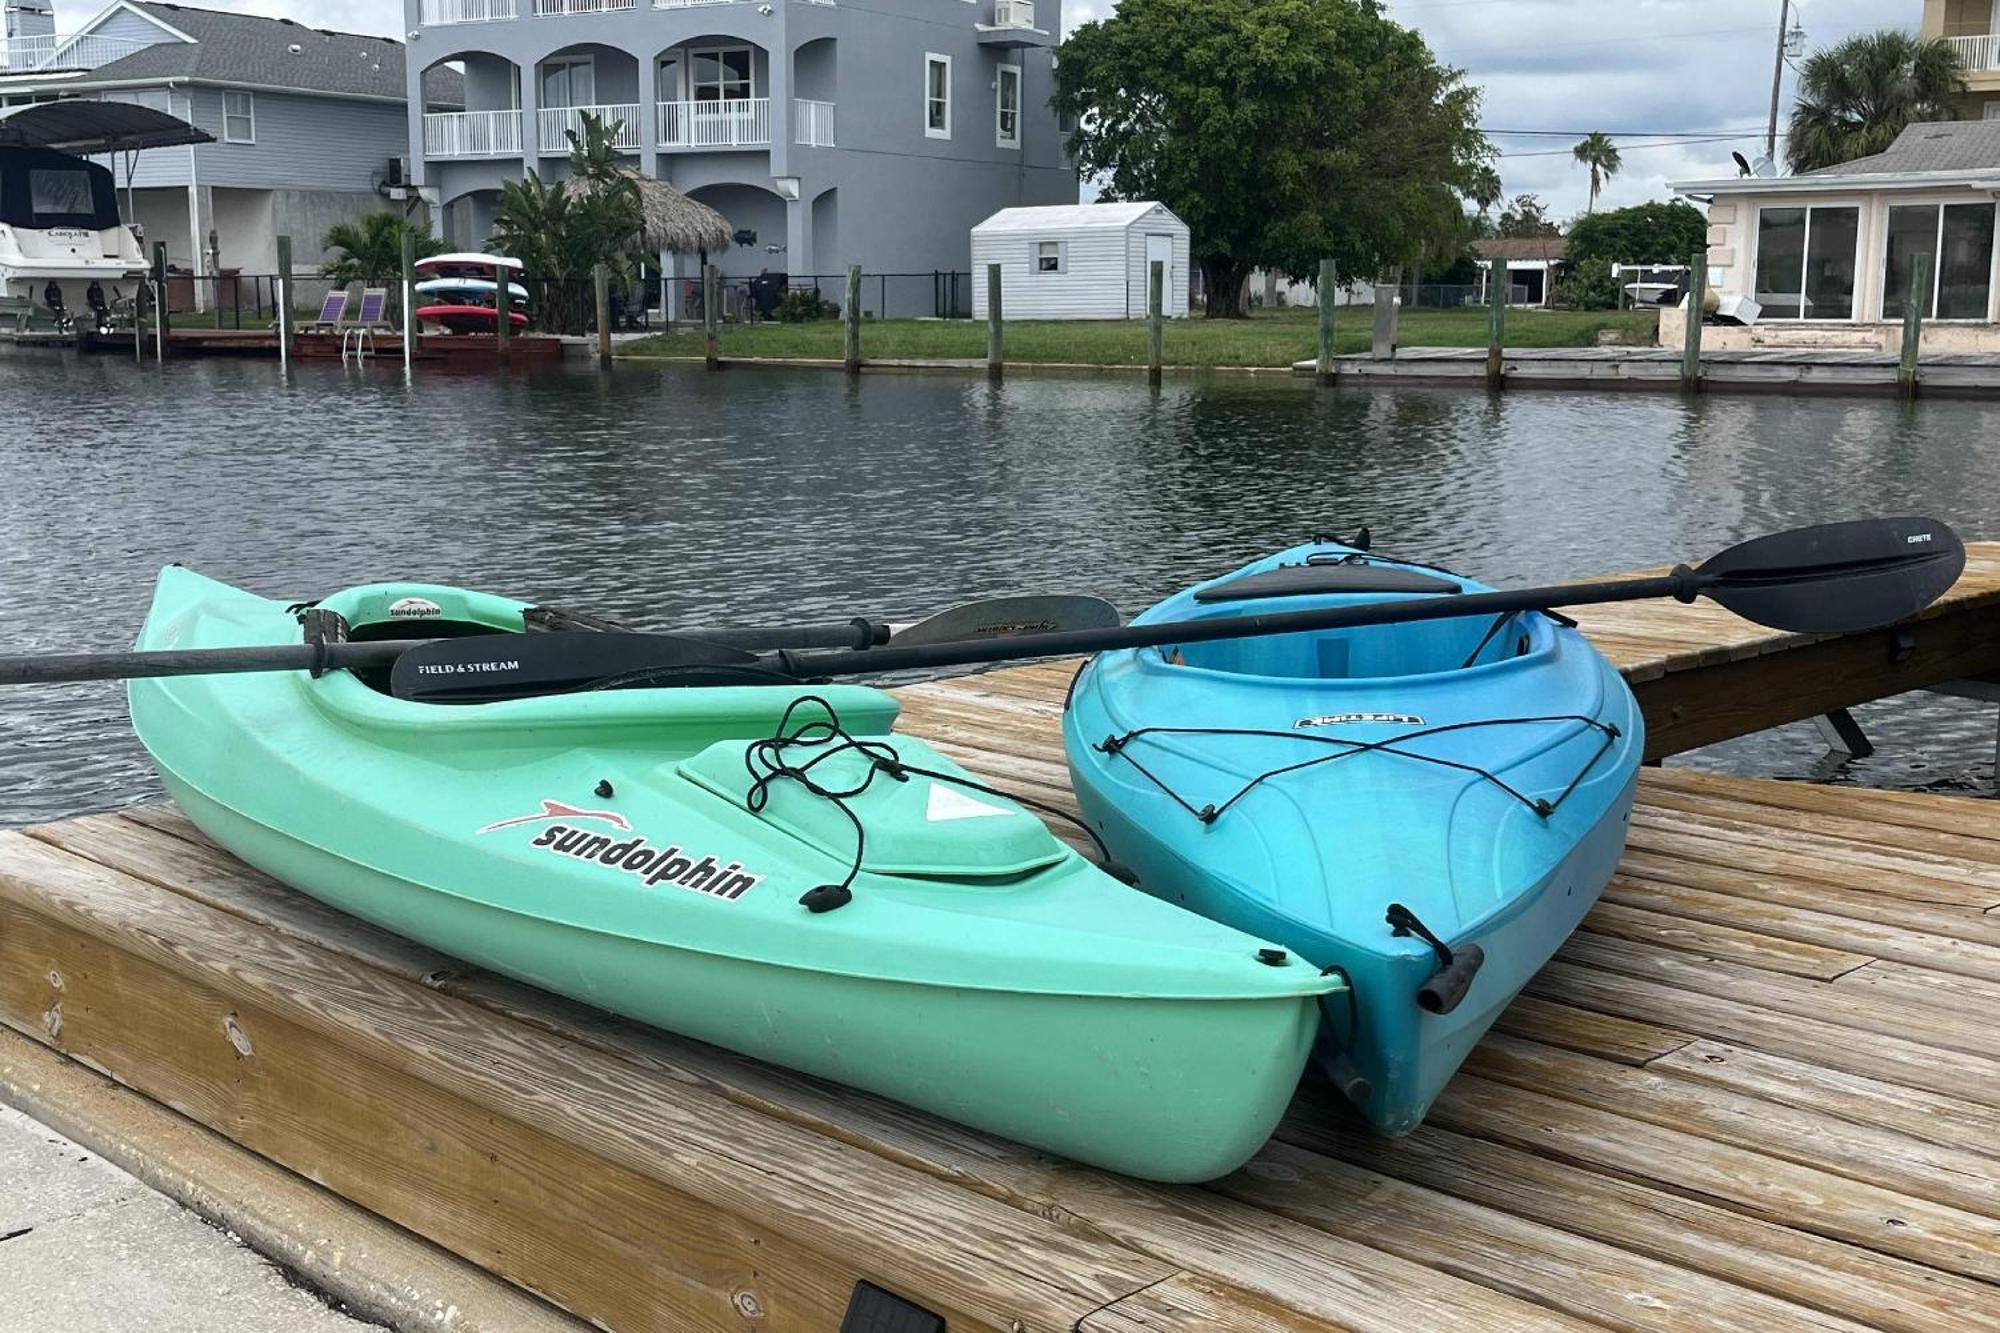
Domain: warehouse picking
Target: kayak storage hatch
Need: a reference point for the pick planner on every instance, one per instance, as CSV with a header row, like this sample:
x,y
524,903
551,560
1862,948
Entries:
x,y
1428,809
648,850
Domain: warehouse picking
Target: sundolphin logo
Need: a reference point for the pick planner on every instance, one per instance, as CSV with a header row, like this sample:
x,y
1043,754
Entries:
x,y
557,810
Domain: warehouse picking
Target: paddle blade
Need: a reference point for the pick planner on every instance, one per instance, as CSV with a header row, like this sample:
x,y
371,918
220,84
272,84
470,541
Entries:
x,y
1010,618
489,667
1838,577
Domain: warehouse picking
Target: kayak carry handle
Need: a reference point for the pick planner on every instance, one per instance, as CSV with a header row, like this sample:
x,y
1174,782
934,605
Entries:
x,y
1448,985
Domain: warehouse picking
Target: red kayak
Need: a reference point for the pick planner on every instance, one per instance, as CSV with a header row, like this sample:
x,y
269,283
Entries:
x,y
469,318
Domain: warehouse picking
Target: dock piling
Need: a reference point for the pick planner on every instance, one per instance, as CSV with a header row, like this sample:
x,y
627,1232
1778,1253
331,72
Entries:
x,y
1913,326
995,365
1383,345
410,299
503,332
1496,324
850,318
1328,284
1697,297
284,301
711,317
1156,339
600,282
161,325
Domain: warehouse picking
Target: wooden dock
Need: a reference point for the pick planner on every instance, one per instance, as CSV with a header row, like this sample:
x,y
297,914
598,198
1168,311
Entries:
x,y
1759,1088
1816,370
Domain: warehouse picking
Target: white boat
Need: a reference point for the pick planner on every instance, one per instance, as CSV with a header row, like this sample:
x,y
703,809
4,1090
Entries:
x,y
59,227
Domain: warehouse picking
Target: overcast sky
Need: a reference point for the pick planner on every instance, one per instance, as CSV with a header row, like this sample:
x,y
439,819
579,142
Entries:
x,y
1633,68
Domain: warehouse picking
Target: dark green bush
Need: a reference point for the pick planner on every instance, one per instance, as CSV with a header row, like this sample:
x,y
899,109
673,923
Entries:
x,y
803,305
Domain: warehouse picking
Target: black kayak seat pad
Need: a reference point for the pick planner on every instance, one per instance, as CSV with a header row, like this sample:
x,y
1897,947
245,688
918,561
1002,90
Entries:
x,y
1305,580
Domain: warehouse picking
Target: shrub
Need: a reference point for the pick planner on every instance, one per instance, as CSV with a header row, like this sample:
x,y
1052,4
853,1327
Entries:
x,y
803,305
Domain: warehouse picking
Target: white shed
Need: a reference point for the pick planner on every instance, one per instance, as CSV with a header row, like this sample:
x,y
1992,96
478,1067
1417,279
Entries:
x,y
1080,261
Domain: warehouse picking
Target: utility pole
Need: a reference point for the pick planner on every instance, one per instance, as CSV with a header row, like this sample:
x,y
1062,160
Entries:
x,y
1787,38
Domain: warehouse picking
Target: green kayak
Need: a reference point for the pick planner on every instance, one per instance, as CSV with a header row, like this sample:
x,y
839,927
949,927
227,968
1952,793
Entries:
x,y
647,851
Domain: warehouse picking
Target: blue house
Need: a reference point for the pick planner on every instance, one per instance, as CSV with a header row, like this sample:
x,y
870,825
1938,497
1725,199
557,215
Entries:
x,y
310,125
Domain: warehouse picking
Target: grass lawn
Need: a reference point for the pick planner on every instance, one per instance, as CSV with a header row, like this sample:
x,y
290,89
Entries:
x,y
1275,339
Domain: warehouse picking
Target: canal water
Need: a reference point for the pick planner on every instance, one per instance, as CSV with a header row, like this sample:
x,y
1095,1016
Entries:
x,y
669,497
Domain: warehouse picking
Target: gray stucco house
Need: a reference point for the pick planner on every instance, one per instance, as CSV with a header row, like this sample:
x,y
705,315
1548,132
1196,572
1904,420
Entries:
x,y
838,133
309,124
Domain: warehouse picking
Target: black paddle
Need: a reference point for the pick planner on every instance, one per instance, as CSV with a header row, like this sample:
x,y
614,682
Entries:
x,y
1833,579
608,655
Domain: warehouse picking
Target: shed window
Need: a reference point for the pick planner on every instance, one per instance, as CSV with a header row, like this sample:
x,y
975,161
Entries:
x,y
1007,127
239,118
1048,256
937,96
1806,261
1958,240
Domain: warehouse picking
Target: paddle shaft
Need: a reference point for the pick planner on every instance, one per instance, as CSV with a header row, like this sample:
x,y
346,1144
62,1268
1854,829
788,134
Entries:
x,y
1682,583
62,668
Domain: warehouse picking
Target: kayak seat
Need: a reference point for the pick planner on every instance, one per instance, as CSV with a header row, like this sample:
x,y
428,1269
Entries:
x,y
1310,579
1365,653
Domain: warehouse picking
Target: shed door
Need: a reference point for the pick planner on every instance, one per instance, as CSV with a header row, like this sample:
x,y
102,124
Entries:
x,y
1161,249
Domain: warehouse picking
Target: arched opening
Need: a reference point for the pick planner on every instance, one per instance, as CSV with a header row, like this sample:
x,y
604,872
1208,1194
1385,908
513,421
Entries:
x,y
826,252
757,216
466,220
586,78
713,92
814,78
490,124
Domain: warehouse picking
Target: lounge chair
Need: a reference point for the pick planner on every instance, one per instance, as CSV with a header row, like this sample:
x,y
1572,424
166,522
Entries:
x,y
332,313
372,318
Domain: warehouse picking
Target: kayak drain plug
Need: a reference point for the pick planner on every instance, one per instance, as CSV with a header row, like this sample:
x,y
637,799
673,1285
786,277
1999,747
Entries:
x,y
1273,957
603,788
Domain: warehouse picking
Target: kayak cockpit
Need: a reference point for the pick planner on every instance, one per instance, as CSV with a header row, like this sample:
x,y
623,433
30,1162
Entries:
x,y
1367,652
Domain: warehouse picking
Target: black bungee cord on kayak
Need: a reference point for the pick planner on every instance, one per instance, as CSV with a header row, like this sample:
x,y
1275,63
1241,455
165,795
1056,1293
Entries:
x,y
767,762
1121,745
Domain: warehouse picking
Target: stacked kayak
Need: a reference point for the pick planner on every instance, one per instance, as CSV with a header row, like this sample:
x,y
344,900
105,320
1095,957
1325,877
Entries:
x,y
670,854
1426,809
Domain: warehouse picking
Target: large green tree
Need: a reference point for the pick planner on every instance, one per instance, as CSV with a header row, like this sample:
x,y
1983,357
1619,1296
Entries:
x,y
1281,131
1526,217
1856,97
369,250
1653,233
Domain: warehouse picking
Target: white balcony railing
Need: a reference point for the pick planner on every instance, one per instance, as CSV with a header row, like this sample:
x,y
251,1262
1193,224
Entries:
x,y
437,13
472,134
1013,13
557,123
1981,51
543,7
737,122
65,51
812,122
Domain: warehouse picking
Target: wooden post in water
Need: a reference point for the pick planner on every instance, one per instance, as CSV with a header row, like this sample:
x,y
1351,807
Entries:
x,y
850,318
600,283
1697,297
410,298
1383,346
1156,336
284,301
995,365
1496,324
162,326
1328,281
1913,325
503,330
711,317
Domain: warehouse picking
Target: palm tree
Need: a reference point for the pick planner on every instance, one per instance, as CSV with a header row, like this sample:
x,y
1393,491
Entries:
x,y
369,250
1855,98
561,231
1597,152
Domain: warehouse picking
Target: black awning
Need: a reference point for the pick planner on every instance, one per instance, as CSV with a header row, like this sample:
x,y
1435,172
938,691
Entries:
x,y
75,125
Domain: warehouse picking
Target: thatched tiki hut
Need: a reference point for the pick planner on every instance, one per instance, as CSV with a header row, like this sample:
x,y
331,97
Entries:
x,y
673,224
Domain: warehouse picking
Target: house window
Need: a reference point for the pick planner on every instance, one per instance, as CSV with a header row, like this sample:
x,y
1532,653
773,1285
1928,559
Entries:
x,y
937,96
1806,261
1048,256
1958,240
569,81
239,118
1008,122
724,74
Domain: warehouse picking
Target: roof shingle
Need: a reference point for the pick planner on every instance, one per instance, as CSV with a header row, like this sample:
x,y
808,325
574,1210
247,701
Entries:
x,y
1930,145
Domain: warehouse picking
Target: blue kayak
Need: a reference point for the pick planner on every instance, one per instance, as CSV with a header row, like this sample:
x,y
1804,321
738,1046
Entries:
x,y
1428,809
